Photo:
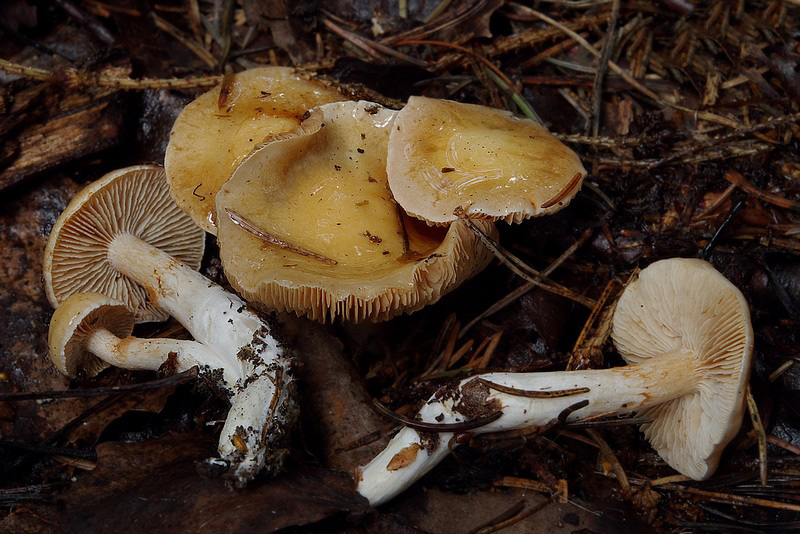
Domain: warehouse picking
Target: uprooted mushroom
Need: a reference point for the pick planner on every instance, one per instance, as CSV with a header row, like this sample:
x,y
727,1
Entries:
x,y
307,224
686,332
117,238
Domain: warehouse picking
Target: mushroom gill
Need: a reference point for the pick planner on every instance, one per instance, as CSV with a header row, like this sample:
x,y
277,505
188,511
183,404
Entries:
x,y
214,133
445,155
307,224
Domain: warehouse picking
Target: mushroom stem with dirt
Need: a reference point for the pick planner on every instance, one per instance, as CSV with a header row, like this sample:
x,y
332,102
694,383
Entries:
x,y
110,240
686,332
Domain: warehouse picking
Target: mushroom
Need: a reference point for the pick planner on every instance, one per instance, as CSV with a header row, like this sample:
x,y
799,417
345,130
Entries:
x,y
90,331
686,332
445,155
307,224
114,238
214,133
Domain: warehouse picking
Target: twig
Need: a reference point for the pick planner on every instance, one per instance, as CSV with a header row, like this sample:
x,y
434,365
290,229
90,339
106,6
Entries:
x,y
608,48
94,25
622,478
432,26
192,46
372,48
527,286
728,498
776,374
500,523
740,181
708,249
252,229
594,423
173,380
43,492
80,78
761,434
520,268
716,204
783,444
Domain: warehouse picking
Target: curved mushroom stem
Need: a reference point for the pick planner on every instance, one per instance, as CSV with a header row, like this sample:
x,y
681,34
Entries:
x,y
254,364
148,354
525,400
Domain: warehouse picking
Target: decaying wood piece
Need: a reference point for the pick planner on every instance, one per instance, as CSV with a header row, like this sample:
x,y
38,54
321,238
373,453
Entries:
x,y
50,126
334,397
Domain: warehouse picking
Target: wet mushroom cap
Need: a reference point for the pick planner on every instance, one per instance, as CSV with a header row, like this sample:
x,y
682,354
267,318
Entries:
x,y
75,321
131,201
444,155
685,305
214,133
348,249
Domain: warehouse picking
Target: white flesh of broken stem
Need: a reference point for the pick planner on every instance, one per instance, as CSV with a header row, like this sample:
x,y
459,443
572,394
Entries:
x,y
255,370
614,391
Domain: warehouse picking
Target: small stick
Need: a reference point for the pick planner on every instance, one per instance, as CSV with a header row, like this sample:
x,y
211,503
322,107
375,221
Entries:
x,y
523,483
438,427
533,394
669,480
527,286
716,204
622,478
783,444
94,25
601,302
372,48
490,348
740,181
524,514
707,250
519,267
591,423
776,374
513,511
250,228
195,48
179,378
80,78
609,44
761,434
727,498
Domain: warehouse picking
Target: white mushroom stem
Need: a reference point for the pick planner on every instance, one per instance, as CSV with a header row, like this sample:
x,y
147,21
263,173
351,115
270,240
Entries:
x,y
610,392
256,372
148,354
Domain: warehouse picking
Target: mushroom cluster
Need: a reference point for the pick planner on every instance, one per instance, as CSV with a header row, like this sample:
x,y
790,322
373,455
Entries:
x,y
331,208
